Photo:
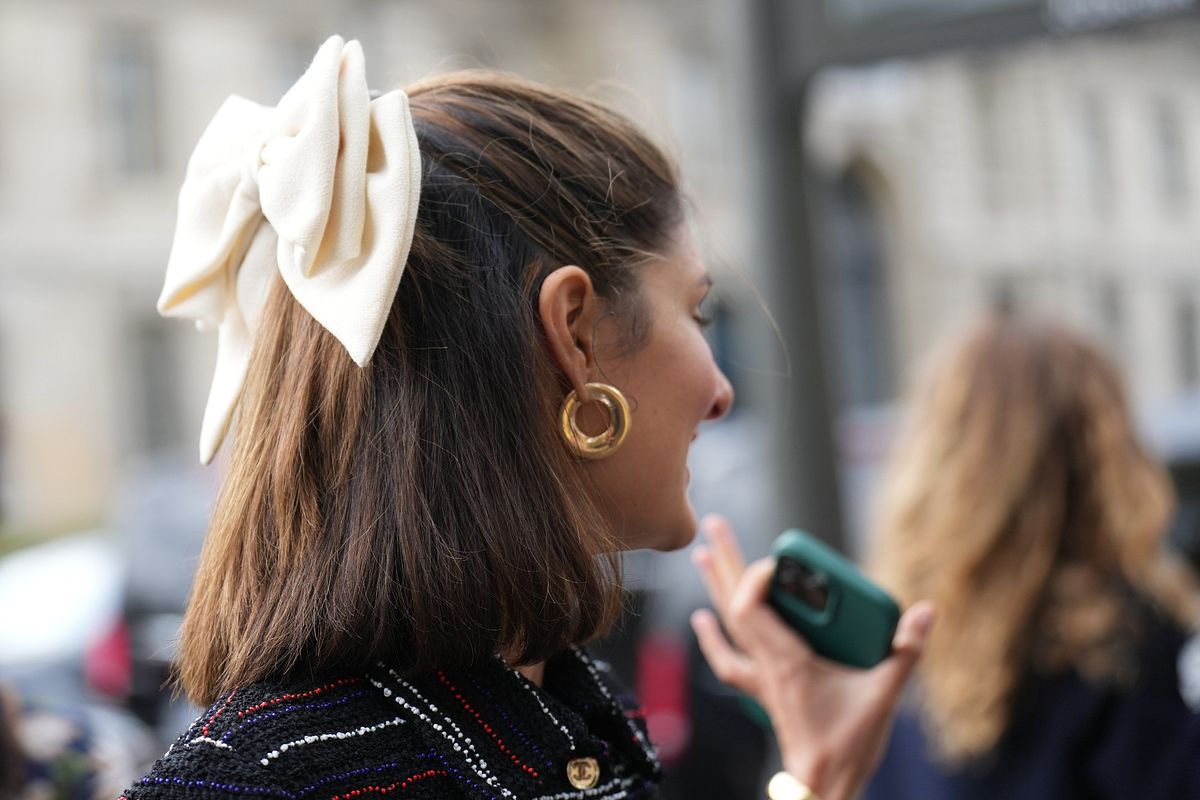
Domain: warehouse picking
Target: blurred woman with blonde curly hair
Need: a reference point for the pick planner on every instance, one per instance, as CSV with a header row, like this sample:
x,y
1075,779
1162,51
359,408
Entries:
x,y
1021,501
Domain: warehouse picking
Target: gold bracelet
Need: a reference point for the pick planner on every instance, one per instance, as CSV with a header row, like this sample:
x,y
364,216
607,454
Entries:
x,y
785,787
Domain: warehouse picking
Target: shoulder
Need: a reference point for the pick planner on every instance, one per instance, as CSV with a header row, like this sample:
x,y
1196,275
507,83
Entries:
x,y
1135,736
1151,735
479,732
341,735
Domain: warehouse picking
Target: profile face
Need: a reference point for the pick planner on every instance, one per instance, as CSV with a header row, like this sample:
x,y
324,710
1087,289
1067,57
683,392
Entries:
x,y
672,384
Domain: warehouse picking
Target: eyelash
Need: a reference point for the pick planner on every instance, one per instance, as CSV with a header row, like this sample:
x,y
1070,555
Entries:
x,y
702,319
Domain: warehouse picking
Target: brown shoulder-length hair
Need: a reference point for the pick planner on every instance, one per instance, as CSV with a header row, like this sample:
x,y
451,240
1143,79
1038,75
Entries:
x,y
1021,501
422,510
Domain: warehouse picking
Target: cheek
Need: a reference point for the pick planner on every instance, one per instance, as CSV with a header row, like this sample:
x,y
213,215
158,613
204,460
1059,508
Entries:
x,y
681,397
671,386
700,375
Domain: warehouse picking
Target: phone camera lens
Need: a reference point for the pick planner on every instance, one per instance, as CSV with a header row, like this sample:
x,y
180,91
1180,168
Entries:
x,y
800,581
790,575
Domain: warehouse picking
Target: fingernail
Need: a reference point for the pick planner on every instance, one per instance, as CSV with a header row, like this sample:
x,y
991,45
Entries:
x,y
713,527
924,621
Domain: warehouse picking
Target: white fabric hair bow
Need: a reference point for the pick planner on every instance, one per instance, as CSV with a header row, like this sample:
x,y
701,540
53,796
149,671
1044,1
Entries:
x,y
324,187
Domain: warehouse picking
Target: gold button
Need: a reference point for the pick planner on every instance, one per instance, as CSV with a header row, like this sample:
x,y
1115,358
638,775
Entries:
x,y
583,773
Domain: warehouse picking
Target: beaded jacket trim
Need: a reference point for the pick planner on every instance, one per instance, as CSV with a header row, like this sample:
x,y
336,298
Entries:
x,y
486,733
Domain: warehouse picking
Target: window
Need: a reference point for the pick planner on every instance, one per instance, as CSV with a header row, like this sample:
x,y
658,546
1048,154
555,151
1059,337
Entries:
x,y
1187,338
1110,316
858,294
128,96
1002,296
1097,155
1171,153
989,118
159,423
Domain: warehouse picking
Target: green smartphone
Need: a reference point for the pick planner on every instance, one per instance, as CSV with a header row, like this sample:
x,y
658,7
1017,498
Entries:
x,y
842,615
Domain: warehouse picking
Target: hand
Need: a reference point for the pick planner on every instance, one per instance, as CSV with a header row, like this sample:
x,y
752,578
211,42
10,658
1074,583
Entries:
x,y
831,721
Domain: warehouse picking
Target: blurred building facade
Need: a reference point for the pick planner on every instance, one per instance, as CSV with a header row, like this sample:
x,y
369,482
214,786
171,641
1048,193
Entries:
x,y
1056,175
1059,177
102,105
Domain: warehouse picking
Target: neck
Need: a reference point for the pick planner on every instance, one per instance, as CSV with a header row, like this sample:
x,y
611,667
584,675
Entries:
x,y
534,672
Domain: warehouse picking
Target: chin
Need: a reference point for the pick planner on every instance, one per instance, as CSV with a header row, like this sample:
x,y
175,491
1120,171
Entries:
x,y
677,536
663,532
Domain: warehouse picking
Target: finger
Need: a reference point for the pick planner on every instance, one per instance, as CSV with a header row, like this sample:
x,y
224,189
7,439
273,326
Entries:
x,y
718,591
751,590
754,625
727,554
914,628
912,634
731,667
720,579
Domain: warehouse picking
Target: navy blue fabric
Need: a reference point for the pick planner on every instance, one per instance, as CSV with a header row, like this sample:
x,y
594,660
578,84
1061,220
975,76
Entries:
x,y
1069,740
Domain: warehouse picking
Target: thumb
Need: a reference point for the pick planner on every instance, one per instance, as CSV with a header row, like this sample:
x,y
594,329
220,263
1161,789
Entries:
x,y
914,628
909,642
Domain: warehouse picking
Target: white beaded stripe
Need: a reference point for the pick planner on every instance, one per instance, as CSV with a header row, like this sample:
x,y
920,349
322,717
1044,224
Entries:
x,y
646,746
433,707
179,741
529,687
206,740
324,737
621,785
477,765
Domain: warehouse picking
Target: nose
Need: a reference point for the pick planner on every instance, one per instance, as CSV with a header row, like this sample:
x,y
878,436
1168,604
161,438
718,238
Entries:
x,y
722,399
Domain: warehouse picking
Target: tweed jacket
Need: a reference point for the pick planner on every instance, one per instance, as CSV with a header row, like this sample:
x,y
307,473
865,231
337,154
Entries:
x,y
483,733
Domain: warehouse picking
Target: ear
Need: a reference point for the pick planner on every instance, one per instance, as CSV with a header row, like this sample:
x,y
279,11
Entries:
x,y
570,308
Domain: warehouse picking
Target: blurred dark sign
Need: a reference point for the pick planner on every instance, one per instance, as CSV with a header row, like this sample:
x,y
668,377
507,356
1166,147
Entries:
x,y
862,31
1064,15
1077,15
855,12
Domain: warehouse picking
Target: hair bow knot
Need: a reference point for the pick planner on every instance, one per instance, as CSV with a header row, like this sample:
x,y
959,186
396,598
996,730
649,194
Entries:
x,y
323,188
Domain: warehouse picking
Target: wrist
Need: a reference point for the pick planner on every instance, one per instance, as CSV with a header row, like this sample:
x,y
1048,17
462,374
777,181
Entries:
x,y
813,771
809,771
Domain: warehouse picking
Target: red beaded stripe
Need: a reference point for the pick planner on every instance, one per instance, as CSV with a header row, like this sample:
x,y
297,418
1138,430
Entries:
x,y
499,742
404,784
219,711
298,696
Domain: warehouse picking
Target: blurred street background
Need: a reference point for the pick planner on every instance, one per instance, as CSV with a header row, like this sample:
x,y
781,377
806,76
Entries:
x,y
867,175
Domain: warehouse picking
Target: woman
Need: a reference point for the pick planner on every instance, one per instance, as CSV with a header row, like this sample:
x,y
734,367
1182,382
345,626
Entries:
x,y
1022,502
434,473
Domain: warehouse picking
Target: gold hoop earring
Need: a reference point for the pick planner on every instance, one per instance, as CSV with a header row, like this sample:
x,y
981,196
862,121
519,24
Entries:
x,y
603,444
